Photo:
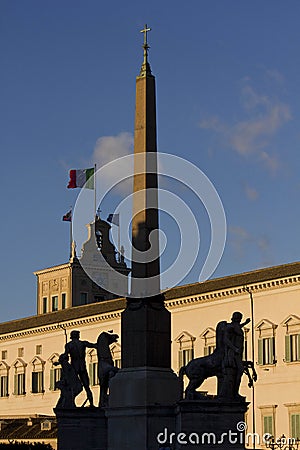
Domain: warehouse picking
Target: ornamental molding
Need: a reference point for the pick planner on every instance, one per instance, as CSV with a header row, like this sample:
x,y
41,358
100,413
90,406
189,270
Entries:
x,y
232,292
53,269
60,326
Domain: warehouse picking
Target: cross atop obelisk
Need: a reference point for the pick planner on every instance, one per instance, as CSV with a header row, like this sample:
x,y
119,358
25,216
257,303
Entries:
x,y
145,70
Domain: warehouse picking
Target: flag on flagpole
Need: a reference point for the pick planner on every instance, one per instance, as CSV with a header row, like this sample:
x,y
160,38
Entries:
x,y
114,218
67,217
81,177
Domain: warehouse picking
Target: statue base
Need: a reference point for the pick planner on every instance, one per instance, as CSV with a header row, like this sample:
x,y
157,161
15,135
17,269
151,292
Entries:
x,y
81,429
208,424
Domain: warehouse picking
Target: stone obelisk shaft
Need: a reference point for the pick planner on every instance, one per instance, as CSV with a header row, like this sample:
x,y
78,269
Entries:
x,y
145,251
146,325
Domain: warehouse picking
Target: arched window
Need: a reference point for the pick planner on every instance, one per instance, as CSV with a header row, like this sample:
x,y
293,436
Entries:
x,y
37,375
266,342
19,377
55,371
93,367
209,337
186,348
292,339
4,369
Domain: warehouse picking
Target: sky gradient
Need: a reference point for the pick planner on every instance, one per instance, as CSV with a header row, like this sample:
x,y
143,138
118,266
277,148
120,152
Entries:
x,y
228,100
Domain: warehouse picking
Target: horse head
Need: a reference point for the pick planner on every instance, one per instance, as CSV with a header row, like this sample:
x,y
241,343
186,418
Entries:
x,y
104,340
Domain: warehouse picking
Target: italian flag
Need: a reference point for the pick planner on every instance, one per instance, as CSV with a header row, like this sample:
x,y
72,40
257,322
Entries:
x,y
81,178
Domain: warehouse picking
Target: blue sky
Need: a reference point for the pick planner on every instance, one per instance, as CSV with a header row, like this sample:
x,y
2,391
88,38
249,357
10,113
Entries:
x,y
228,100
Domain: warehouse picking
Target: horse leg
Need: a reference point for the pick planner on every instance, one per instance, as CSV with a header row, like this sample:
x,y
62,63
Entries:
x,y
192,386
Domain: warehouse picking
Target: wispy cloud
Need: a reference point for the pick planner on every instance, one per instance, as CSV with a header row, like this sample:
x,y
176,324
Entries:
x,y
242,242
251,193
251,136
110,148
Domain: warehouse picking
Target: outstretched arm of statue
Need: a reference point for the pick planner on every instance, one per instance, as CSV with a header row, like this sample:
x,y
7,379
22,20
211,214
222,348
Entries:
x,y
89,344
248,320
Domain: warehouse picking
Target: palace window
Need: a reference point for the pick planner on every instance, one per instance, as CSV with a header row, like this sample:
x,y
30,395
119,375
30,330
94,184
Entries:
x,y
292,347
55,303
93,367
55,372
19,377
20,352
186,348
38,349
266,342
295,425
294,419
292,338
4,368
266,351
209,337
4,354
268,419
37,375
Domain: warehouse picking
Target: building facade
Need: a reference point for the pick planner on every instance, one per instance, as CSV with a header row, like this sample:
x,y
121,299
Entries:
x,y
29,347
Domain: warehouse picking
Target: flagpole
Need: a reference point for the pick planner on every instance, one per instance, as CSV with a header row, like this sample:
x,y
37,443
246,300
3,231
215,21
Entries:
x,y
71,232
119,246
95,196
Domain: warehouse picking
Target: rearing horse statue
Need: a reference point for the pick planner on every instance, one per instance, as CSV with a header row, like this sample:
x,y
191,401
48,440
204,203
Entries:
x,y
106,368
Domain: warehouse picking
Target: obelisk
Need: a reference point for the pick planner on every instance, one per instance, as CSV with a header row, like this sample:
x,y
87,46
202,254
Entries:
x,y
143,393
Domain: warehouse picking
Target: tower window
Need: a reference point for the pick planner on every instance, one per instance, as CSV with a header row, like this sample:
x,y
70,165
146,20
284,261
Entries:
x,y
63,301
55,303
45,301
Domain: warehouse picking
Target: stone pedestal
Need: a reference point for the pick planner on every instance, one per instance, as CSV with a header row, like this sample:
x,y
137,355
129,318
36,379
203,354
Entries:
x,y
209,424
81,429
141,401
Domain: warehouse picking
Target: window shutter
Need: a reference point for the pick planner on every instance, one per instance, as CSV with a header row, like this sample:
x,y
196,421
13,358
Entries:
x,y
260,351
52,381
268,425
298,347
295,426
6,385
272,350
34,382
42,381
16,384
180,359
189,355
287,348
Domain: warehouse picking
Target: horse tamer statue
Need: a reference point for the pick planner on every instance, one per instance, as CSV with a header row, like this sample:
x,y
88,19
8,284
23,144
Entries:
x,y
226,363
